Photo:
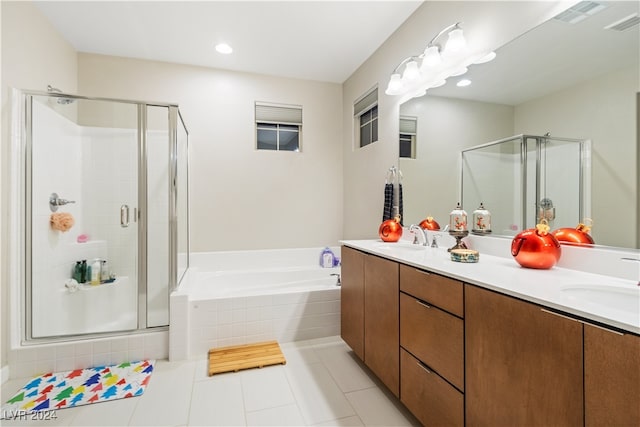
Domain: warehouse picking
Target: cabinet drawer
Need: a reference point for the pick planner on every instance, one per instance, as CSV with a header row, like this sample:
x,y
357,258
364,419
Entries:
x,y
434,336
440,291
431,399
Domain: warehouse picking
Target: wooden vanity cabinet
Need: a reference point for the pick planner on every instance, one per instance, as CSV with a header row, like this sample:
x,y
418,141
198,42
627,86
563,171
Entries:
x,y
443,292
352,300
432,400
432,347
369,304
458,354
381,320
523,366
611,378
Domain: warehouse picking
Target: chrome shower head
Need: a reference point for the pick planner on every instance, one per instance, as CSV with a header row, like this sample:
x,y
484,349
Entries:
x,y
61,101
65,101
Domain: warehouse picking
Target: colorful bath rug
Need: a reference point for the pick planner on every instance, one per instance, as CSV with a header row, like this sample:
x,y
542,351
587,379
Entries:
x,y
61,390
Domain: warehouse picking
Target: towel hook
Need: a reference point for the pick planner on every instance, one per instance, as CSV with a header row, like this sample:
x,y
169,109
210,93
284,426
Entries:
x,y
55,202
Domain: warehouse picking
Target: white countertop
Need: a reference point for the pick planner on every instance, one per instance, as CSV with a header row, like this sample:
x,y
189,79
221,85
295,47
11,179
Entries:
x,y
603,299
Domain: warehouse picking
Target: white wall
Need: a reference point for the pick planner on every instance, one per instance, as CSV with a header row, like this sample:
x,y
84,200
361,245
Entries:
x,y
610,124
489,24
438,151
241,198
33,56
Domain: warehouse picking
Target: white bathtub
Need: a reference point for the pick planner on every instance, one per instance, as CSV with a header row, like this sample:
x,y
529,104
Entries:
x,y
239,297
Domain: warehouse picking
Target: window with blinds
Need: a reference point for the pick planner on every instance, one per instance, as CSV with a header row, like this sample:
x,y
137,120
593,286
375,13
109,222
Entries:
x,y
365,111
278,127
408,135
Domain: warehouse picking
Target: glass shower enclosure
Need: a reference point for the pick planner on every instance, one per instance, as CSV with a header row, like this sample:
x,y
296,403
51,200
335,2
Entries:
x,y
105,211
524,178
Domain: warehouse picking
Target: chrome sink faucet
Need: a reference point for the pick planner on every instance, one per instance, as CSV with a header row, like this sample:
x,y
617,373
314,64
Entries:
x,y
425,240
434,242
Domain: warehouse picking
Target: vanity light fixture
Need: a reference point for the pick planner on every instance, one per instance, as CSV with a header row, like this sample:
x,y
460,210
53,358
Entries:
x,y
416,74
224,48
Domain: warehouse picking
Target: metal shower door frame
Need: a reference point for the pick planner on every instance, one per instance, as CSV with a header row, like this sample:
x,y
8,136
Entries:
x,y
26,262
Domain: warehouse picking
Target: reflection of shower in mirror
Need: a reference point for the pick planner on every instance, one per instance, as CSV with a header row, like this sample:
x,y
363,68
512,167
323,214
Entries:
x,y
547,211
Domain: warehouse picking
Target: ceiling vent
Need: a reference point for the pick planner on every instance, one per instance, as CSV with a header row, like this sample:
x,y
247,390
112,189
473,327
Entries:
x,y
579,11
624,23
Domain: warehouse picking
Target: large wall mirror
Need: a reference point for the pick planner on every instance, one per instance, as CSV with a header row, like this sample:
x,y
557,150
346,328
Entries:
x,y
573,78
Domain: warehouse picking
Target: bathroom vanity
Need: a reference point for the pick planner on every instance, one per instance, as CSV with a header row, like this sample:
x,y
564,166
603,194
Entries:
x,y
491,343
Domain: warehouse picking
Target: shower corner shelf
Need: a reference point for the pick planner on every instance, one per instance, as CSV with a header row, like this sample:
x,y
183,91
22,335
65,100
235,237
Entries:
x,y
120,280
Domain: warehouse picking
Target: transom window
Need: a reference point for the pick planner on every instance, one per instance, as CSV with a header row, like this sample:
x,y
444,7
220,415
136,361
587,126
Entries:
x,y
278,127
408,134
366,115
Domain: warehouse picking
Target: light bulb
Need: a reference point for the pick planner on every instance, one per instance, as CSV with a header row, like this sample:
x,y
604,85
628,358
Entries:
x,y
224,48
463,83
456,41
395,85
411,71
485,58
431,57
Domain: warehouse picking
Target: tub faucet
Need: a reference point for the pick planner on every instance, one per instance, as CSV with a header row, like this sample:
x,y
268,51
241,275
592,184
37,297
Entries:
x,y
412,229
338,282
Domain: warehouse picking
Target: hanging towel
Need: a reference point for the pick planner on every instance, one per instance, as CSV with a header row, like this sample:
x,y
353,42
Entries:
x,y
387,212
400,211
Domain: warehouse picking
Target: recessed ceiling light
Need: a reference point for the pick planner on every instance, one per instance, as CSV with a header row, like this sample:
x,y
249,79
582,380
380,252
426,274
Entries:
x,y
485,58
224,48
463,83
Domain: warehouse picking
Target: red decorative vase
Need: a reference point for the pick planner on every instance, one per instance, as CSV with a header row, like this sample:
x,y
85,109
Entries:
x,y
536,248
390,230
430,224
579,235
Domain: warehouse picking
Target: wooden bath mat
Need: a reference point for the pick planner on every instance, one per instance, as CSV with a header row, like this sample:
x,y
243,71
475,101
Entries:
x,y
238,357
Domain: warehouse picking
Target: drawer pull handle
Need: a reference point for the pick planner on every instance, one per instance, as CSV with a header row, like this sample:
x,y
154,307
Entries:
x,y
423,304
424,367
426,273
560,315
583,322
604,329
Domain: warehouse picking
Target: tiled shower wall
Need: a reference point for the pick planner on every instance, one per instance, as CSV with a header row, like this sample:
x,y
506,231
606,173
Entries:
x,y
83,165
97,168
31,361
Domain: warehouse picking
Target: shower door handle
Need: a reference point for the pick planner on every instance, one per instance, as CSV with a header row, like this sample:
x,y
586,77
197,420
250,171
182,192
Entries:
x,y
124,216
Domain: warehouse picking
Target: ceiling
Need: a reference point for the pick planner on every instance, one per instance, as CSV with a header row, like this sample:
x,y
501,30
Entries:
x,y
553,56
312,40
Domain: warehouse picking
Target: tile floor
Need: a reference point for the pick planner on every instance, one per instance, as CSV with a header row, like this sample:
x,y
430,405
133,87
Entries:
x,y
322,384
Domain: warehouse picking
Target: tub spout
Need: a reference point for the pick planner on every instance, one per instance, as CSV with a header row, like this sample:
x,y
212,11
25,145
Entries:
x,y
338,282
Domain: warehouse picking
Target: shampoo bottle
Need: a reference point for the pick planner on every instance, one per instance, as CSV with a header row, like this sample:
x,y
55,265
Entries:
x,y
83,271
77,272
95,272
104,272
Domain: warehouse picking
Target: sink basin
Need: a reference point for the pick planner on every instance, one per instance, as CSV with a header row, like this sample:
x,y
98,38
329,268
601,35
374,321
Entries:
x,y
620,298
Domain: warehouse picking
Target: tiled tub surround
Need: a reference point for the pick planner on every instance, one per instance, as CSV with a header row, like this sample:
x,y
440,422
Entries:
x,y
240,297
600,268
